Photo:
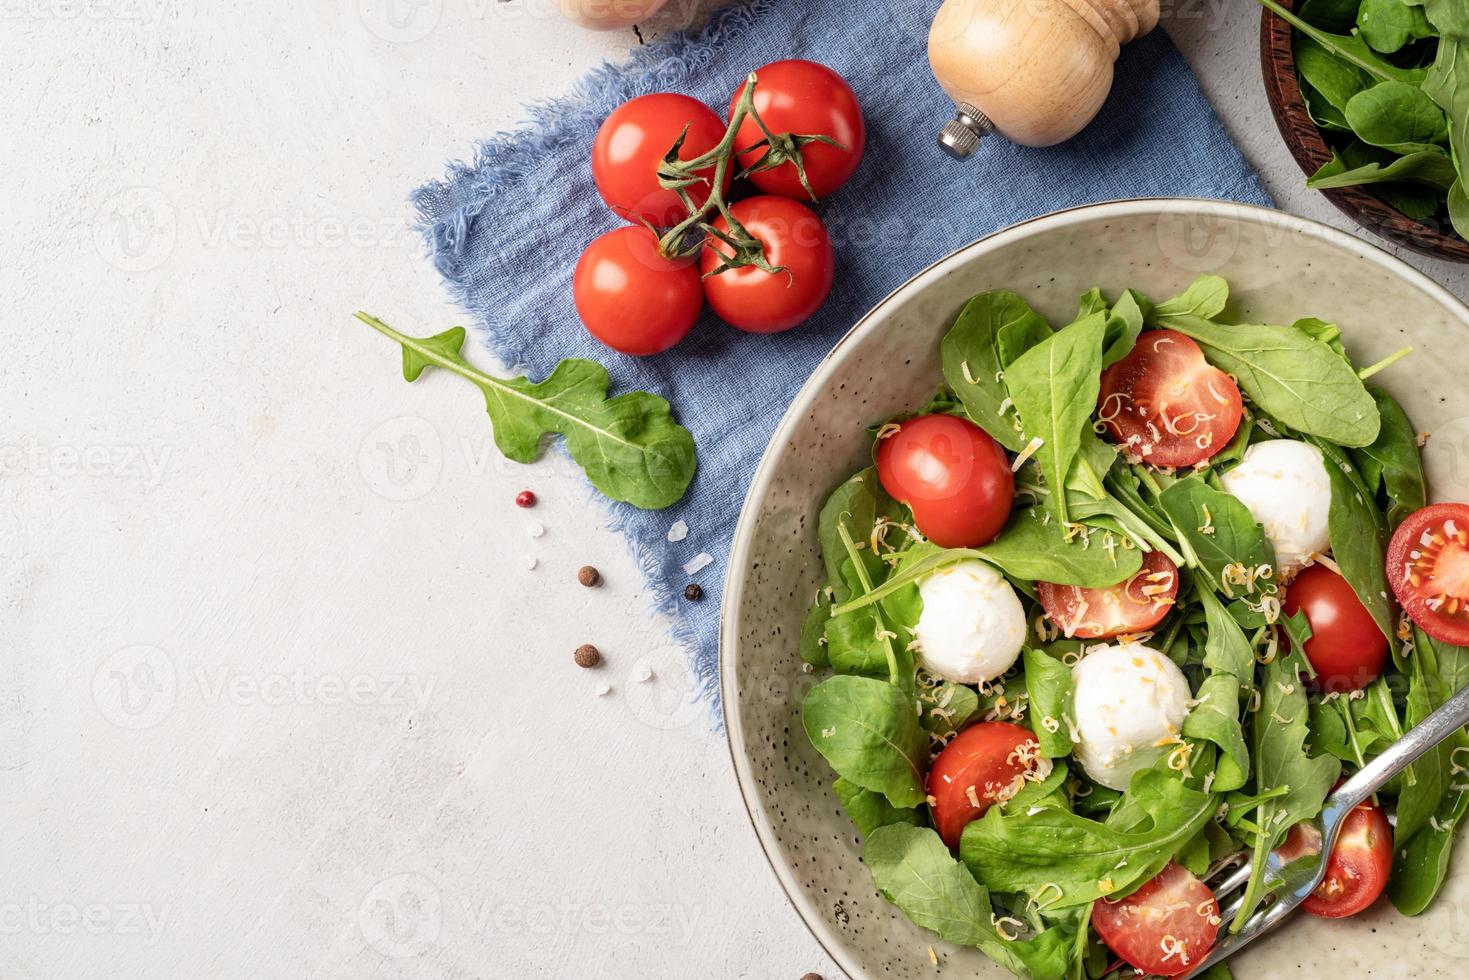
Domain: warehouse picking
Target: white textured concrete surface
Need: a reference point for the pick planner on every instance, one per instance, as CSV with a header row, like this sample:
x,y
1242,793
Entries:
x,y
279,693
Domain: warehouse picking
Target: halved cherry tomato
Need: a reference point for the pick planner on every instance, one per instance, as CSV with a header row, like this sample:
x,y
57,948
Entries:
x,y
983,764
1356,872
1166,927
631,146
1428,566
1346,648
794,238
633,299
1164,403
803,98
952,474
1133,606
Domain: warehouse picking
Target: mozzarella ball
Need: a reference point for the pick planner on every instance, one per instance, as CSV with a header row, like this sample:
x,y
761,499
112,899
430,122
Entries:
x,y
1130,702
972,625
1285,485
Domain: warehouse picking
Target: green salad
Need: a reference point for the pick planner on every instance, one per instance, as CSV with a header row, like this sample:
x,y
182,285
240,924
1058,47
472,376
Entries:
x,y
1122,603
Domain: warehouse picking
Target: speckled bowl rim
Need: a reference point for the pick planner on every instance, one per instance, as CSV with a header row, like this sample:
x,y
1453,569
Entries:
x,y
814,388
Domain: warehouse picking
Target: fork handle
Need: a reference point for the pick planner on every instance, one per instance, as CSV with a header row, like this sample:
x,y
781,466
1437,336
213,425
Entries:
x,y
1451,716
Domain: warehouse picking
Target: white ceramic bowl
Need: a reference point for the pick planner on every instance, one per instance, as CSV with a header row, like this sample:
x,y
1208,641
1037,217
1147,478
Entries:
x,y
1279,268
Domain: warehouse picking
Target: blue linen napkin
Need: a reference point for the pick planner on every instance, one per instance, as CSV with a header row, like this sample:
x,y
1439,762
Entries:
x,y
505,231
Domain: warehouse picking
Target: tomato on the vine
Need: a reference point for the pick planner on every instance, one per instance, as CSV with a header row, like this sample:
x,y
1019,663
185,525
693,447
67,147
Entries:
x,y
632,298
984,763
952,474
1164,403
803,98
795,242
1356,871
1166,927
1133,606
631,145
1346,648
1428,566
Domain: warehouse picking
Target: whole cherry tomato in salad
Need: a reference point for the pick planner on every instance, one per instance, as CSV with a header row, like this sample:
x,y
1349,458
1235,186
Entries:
x,y
1133,606
985,763
796,242
952,474
1167,405
802,98
1356,872
1428,566
1166,927
633,299
1346,649
631,146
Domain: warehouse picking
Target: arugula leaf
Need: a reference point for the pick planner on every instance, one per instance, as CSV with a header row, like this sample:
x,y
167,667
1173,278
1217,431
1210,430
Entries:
x,y
1397,461
868,731
1226,648
946,707
856,505
1124,324
1054,386
1216,719
869,810
915,871
629,446
1432,168
813,631
1062,860
1219,529
1398,117
971,356
1049,689
1354,529
1092,301
1449,17
1205,297
1290,376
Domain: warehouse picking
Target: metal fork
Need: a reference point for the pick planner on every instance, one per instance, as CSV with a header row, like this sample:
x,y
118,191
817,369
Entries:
x,y
1294,882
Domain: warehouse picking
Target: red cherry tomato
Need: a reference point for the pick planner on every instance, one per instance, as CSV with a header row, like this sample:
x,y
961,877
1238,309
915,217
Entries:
x,y
1166,927
1356,872
1165,403
760,302
803,98
984,763
1133,606
633,299
1346,648
631,146
952,474
1428,566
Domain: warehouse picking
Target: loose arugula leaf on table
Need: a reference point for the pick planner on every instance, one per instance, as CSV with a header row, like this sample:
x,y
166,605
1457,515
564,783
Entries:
x,y
1289,375
868,731
1393,460
630,447
1054,386
972,359
1356,533
868,810
915,871
1049,690
1063,860
1219,530
1283,766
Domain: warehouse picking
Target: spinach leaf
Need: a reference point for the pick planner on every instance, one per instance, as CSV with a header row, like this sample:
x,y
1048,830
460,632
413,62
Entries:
x,y
1334,80
915,871
1398,117
1205,297
1350,48
1290,376
1049,690
946,706
1220,530
629,446
1283,766
1432,168
855,505
1394,453
1353,527
1062,860
858,642
870,810
1092,301
1216,719
1054,386
868,731
1448,85
972,364
1323,113
1449,17
1226,649
1421,795
1458,205
1330,15
1124,323
1388,25
813,631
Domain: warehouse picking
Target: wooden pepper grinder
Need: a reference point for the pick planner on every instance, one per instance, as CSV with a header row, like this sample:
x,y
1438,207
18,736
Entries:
x,y
1034,71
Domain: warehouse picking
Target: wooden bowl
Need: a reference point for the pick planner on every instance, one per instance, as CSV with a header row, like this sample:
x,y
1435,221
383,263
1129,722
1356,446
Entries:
x,y
1283,88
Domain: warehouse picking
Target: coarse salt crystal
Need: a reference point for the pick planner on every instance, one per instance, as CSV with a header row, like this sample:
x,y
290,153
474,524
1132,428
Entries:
x,y
698,563
678,532
644,674
604,689
531,561
535,529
